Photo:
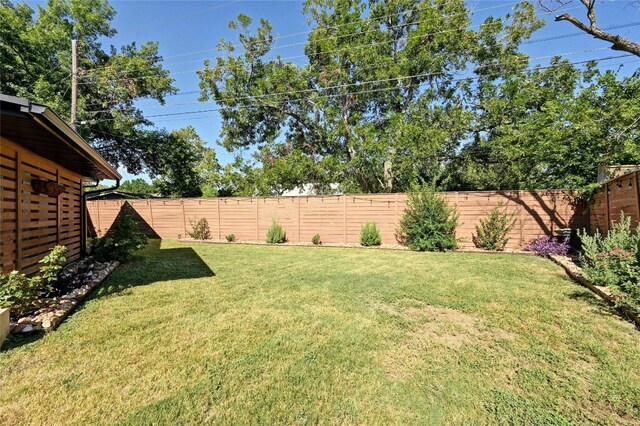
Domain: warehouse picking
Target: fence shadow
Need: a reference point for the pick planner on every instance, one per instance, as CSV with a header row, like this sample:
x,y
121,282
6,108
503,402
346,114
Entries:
x,y
152,264
549,216
155,264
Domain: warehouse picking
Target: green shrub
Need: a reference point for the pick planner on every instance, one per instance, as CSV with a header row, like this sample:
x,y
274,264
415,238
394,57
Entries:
x,y
370,235
276,234
614,261
316,240
22,293
230,238
200,230
428,222
121,240
492,232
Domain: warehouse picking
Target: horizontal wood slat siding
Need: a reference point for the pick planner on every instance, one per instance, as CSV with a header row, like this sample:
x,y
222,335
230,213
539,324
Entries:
x,y
34,223
618,195
338,219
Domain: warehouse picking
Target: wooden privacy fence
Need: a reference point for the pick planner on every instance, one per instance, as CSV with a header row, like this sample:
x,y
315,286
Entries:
x,y
618,195
336,218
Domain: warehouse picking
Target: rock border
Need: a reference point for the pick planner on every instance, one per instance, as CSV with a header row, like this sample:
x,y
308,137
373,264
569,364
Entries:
x,y
57,309
575,272
4,324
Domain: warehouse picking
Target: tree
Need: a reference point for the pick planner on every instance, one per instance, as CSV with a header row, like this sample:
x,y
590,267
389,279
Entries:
x,y
550,128
179,174
35,63
618,42
138,186
327,114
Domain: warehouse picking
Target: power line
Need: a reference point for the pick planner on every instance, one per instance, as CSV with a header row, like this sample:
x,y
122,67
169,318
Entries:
x,y
166,21
360,83
349,48
334,27
561,36
369,91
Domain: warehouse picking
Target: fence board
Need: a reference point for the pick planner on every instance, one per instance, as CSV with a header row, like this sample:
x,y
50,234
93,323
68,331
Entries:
x,y
338,219
620,195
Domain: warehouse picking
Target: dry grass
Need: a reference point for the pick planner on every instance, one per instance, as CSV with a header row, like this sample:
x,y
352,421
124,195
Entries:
x,y
231,334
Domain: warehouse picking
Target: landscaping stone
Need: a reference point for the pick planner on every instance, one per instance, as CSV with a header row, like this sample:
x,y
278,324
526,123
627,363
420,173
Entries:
x,y
81,278
575,272
5,326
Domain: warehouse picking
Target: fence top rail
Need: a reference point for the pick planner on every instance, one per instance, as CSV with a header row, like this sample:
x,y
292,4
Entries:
x,y
360,196
629,175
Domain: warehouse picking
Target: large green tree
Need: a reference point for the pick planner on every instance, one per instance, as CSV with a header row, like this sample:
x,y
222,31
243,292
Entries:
x,y
550,127
35,62
187,167
401,91
138,186
376,107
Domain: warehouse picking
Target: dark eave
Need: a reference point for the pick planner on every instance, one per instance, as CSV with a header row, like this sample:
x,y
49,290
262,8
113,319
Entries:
x,y
40,130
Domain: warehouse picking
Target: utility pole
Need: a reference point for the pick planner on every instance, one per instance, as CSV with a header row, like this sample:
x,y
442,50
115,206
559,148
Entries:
x,y
74,82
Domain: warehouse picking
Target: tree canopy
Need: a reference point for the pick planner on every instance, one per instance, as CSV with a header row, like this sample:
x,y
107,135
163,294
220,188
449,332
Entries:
x,y
35,58
397,92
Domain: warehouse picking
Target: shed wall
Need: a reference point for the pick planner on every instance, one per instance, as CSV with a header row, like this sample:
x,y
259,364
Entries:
x,y
34,223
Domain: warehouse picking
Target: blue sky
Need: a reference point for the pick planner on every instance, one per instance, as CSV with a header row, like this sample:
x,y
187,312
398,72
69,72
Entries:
x,y
184,27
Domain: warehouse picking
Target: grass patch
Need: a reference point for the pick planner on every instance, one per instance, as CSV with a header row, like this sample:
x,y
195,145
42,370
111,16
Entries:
x,y
236,334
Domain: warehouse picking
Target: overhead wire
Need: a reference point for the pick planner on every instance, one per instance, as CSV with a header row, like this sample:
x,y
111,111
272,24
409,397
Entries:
x,y
332,27
361,83
368,91
349,48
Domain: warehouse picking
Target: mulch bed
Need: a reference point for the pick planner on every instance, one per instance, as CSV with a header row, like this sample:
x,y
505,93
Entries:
x,y
77,280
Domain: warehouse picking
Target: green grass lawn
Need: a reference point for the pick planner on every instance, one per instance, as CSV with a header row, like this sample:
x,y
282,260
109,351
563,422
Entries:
x,y
236,334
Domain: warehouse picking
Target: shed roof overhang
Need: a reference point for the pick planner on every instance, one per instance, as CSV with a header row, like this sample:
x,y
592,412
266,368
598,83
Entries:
x,y
40,130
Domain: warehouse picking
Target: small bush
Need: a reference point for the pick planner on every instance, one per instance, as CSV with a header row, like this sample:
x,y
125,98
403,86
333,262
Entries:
x,y
316,240
121,240
22,293
276,234
614,261
546,246
428,222
370,235
492,232
200,230
230,238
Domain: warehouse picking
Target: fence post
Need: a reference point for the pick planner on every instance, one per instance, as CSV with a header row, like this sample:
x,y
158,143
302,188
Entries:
x,y
606,205
99,228
298,213
520,222
397,216
218,216
184,219
344,216
257,221
150,214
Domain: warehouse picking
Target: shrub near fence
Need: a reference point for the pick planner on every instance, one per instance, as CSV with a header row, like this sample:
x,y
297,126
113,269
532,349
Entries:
x,y
339,218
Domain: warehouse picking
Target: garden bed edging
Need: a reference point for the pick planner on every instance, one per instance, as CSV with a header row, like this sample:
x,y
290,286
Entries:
x,y
57,309
575,272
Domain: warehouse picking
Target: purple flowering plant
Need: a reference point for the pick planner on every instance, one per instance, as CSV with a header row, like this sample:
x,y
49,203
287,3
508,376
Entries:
x,y
547,246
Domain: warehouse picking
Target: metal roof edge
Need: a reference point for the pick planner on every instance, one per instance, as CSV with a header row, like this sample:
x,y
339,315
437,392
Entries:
x,y
75,140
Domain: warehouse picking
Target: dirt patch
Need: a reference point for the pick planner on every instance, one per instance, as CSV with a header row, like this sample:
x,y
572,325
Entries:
x,y
438,330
